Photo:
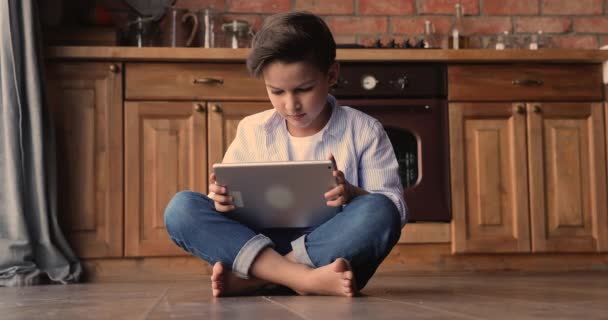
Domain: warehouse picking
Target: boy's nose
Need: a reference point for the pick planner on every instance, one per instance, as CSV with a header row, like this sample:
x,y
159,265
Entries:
x,y
293,105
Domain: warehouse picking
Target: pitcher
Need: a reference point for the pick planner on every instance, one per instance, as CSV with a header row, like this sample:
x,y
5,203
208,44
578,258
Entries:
x,y
175,30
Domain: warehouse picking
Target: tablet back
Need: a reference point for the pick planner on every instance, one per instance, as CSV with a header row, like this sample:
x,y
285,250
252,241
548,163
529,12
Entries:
x,y
278,194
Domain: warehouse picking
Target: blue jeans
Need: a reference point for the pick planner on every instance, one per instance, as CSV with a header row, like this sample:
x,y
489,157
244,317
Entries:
x,y
363,233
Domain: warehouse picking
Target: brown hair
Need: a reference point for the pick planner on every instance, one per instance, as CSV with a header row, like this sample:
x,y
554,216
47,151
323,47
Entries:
x,y
292,37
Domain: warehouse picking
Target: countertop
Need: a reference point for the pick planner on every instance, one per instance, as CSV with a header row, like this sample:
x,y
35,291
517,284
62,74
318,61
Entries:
x,y
344,55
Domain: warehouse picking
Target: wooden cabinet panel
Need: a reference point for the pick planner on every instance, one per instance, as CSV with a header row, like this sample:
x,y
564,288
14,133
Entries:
x,y
192,81
489,178
543,82
165,152
224,118
567,177
86,102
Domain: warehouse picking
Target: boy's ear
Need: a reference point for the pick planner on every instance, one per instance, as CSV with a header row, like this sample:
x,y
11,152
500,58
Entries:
x,y
333,73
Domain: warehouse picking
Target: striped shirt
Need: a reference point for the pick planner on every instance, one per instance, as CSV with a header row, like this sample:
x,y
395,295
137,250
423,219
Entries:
x,y
358,142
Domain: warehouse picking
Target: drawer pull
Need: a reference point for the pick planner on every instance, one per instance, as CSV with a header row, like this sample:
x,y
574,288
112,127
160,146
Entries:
x,y
208,81
113,68
527,82
537,109
520,109
216,108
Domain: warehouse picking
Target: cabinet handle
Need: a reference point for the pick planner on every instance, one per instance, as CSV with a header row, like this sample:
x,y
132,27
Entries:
x,y
527,82
113,68
537,109
208,81
520,109
216,108
199,107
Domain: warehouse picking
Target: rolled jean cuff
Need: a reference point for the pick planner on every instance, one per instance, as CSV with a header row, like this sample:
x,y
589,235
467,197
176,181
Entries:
x,y
244,259
300,253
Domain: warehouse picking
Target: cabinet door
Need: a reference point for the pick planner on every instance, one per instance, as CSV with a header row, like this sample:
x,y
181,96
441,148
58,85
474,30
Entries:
x,y
165,152
86,102
224,117
489,178
567,177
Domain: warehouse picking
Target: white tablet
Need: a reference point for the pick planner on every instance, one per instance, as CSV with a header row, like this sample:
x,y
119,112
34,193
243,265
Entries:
x,y
278,194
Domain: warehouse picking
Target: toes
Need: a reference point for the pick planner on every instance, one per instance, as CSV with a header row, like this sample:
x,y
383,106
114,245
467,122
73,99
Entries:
x,y
218,271
217,285
340,265
348,275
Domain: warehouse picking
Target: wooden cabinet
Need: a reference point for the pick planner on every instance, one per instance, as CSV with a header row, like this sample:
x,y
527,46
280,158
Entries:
x,y
567,163
527,176
165,152
86,104
170,145
489,178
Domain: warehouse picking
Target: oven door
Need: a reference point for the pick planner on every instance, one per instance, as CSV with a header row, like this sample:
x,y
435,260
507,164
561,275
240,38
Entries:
x,y
418,132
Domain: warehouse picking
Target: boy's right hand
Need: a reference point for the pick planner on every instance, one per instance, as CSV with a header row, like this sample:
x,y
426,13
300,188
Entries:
x,y
219,195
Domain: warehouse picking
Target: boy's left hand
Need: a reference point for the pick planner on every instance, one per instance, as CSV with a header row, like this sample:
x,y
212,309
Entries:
x,y
343,192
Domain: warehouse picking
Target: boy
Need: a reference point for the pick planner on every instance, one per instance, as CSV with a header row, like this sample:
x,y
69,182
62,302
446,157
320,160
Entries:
x,y
295,55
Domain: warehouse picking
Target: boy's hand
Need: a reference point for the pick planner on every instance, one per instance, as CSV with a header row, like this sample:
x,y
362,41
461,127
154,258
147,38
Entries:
x,y
344,192
219,195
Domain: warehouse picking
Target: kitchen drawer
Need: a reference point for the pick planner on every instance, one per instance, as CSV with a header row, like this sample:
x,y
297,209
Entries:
x,y
538,82
191,81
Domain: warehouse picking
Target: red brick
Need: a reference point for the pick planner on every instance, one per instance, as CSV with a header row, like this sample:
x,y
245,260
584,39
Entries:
x,y
415,25
259,6
570,7
357,25
594,25
387,7
547,25
603,41
510,7
326,7
576,42
194,5
345,39
488,25
471,7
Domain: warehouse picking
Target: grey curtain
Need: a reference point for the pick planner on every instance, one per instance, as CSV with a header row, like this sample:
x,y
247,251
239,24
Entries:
x,y
32,247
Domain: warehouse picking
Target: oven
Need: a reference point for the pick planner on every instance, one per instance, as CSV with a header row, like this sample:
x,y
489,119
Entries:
x,y
410,102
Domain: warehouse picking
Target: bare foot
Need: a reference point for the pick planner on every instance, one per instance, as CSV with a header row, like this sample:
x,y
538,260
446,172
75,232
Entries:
x,y
335,279
225,283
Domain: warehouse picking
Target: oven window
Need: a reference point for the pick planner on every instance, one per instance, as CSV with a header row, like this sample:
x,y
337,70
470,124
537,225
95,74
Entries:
x,y
406,149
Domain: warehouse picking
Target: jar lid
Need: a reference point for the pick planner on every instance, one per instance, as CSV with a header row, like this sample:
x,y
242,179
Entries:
x,y
236,26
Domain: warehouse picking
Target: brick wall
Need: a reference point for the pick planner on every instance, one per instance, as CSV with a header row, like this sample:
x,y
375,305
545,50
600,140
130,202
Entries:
x,y
570,23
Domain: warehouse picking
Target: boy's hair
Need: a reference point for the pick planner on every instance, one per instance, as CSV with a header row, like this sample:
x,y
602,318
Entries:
x,y
292,37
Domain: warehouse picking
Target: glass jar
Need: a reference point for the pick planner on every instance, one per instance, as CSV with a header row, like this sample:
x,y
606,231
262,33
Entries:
x,y
238,34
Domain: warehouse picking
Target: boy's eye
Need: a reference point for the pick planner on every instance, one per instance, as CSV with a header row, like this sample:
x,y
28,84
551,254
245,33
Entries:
x,y
276,92
304,89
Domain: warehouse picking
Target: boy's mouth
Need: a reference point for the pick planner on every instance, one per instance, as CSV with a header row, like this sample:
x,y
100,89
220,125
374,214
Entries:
x,y
297,116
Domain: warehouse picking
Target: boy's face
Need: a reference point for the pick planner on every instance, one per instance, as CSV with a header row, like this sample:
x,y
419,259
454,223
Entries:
x,y
298,91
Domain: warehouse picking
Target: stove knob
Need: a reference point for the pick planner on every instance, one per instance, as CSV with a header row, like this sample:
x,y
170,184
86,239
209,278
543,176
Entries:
x,y
369,82
377,44
400,83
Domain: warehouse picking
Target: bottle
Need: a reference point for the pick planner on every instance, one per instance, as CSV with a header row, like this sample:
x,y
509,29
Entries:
x,y
458,37
430,40
500,42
